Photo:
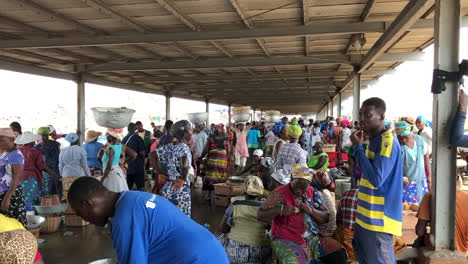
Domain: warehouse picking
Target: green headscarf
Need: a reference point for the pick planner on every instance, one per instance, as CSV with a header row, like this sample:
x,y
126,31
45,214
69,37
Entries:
x,y
294,131
43,131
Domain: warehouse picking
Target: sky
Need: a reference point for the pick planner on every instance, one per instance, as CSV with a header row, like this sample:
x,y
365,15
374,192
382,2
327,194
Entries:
x,y
37,101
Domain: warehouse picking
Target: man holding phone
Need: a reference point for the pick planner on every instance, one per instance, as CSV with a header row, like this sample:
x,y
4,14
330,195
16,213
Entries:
x,y
379,210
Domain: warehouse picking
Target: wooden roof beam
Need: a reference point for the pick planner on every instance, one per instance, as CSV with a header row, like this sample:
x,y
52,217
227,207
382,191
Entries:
x,y
403,22
29,4
105,9
292,31
188,21
246,62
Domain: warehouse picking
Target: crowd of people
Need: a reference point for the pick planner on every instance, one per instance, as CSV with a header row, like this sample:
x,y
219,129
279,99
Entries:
x,y
288,214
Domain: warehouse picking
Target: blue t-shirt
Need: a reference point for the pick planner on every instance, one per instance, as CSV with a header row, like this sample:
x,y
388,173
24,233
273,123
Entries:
x,y
148,229
252,138
92,150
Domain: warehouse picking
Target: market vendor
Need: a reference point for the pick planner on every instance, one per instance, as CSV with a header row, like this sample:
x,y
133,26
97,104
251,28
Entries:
x,y
319,159
146,228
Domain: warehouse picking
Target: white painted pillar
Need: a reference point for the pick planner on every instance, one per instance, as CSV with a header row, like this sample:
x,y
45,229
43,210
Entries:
x,y
446,57
331,112
229,115
207,109
356,96
168,105
81,107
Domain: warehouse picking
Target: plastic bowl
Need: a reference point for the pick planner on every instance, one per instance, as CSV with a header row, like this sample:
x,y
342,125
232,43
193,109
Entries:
x,y
112,117
52,209
198,117
241,117
34,221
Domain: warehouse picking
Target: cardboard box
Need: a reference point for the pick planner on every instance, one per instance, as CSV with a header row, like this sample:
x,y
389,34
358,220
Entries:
x,y
221,201
229,189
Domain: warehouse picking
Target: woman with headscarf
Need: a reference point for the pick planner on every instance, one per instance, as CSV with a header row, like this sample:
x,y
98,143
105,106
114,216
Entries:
x,y
295,211
307,138
73,160
319,159
281,131
415,164
322,182
241,150
172,162
51,151
34,166
11,173
291,153
243,236
114,178
345,136
217,161
425,131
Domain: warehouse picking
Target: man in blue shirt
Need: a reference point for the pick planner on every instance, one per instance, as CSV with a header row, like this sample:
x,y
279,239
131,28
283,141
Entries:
x,y
136,169
146,228
380,196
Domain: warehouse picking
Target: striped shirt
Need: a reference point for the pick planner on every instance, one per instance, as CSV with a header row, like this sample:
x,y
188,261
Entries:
x,y
380,194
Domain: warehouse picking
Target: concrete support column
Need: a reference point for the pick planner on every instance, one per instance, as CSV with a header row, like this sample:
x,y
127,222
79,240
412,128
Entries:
x,y
229,115
328,111
207,109
446,57
356,95
331,112
338,113
168,105
81,107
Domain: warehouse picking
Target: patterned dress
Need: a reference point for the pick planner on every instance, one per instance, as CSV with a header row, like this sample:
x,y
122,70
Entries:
x,y
170,160
17,208
413,168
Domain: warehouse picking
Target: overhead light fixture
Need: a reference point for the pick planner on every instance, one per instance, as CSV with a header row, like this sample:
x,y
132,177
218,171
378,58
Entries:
x,y
358,42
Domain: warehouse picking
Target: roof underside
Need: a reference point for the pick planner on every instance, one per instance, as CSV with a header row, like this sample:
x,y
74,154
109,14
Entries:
x,y
271,54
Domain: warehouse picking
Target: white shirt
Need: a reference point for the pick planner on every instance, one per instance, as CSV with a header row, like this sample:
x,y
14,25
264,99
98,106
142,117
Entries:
x,y
426,134
73,162
199,141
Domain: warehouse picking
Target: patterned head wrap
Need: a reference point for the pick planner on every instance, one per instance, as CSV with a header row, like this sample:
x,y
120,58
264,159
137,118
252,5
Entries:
x,y
43,131
294,131
258,152
277,128
253,186
402,128
180,128
18,246
71,138
302,172
424,121
294,121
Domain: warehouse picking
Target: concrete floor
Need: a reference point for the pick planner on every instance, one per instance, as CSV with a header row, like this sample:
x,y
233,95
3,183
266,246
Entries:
x,y
91,243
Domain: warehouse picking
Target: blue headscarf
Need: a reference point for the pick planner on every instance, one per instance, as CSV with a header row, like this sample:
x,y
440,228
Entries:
x,y
424,121
277,128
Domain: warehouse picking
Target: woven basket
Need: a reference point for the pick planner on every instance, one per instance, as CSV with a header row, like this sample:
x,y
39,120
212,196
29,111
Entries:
x,y
50,200
67,182
35,231
51,224
74,220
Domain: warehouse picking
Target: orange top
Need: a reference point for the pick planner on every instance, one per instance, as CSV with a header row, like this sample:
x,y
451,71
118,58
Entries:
x,y
461,218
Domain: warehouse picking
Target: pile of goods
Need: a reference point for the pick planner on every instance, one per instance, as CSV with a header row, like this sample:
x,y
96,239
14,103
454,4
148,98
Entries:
x,y
241,113
52,210
223,192
272,116
71,219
